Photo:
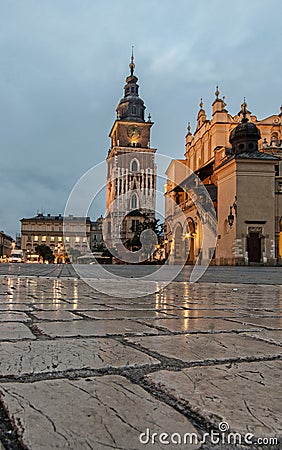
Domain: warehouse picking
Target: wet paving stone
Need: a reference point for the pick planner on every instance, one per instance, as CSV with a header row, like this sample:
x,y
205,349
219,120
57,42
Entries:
x,y
243,395
14,331
208,347
124,314
196,313
98,413
13,316
14,307
201,324
38,357
268,336
93,328
55,315
274,323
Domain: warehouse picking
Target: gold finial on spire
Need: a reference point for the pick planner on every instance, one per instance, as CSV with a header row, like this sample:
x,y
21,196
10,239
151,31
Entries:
x,y
217,92
132,65
244,111
201,103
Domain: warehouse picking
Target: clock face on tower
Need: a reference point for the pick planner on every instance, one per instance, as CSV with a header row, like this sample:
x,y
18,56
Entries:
x,y
133,132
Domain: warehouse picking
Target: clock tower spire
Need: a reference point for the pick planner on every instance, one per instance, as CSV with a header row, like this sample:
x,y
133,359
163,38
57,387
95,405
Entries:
x,y
131,106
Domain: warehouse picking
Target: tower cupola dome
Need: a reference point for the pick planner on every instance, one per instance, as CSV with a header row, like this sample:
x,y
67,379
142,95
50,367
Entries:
x,y
131,107
245,136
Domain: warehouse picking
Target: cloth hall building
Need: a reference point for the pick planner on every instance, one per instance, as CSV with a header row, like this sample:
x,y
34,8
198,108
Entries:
x,y
238,159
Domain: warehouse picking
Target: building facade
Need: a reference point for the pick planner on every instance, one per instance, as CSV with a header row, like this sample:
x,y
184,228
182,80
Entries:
x,y
96,235
6,242
68,237
131,177
237,158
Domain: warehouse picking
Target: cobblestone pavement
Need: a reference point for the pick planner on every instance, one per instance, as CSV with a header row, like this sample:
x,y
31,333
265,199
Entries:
x,y
226,274
83,370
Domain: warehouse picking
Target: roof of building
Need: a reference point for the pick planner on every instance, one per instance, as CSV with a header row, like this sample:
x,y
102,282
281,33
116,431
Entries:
x,y
6,236
59,217
135,213
257,155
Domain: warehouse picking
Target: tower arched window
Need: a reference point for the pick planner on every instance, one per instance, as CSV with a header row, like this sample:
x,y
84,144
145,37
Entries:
x,y
134,201
134,165
133,109
274,139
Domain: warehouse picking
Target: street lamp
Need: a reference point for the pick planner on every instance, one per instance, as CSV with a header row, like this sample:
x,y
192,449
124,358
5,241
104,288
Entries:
x,y
230,218
190,235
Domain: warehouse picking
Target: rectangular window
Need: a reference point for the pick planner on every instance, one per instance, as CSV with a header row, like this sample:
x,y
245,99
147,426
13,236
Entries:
x,y
67,239
43,238
60,239
77,239
135,224
35,238
52,239
84,239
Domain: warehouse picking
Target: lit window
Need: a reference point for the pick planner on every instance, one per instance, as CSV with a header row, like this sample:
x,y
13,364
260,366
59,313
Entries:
x,y
77,239
134,201
67,238
84,239
52,238
35,238
43,238
60,239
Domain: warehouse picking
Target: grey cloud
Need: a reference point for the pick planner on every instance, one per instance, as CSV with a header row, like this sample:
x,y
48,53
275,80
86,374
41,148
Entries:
x,y
62,71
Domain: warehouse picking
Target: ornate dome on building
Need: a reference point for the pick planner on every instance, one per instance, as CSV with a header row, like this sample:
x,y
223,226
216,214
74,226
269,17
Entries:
x,y
245,136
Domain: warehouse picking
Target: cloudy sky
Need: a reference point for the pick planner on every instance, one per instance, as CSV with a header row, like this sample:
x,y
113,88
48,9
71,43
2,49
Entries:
x,y
62,69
